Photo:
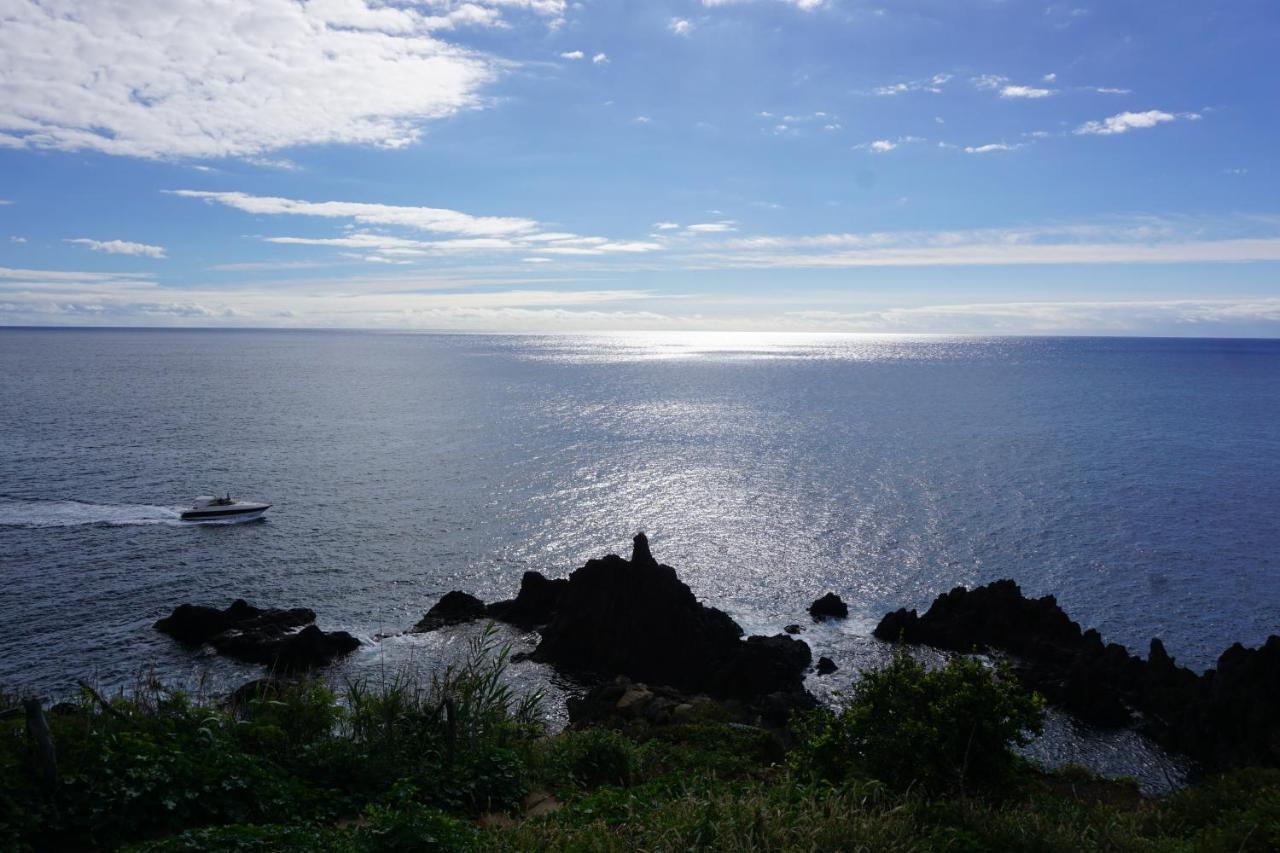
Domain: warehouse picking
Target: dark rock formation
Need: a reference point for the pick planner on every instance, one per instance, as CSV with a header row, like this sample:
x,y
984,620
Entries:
x,y
828,607
534,605
636,618
255,635
1225,718
309,649
826,666
760,666
194,624
793,629
453,608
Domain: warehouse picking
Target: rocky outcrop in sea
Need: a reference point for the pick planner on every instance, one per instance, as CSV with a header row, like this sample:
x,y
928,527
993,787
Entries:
x,y
257,635
1227,717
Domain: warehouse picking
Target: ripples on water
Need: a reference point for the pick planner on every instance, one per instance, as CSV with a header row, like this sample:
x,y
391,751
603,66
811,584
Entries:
x,y
1138,480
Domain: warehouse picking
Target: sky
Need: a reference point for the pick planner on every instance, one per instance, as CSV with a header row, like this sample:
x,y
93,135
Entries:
x,y
924,166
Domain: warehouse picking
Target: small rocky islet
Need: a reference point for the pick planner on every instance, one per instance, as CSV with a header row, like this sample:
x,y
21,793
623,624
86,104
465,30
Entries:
x,y
656,654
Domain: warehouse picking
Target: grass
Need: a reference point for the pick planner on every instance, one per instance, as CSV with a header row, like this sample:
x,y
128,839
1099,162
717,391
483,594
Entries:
x,y
427,766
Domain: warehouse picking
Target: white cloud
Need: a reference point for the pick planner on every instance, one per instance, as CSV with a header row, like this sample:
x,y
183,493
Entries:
x,y
884,146
990,148
468,234
572,54
1111,90
998,82
439,220
10,278
262,266
4,201
385,246
120,247
600,58
398,301
1124,122
15,239
609,246
641,120
278,163
155,78
932,84
712,227
1025,92
1114,242
1049,78
1190,316
666,226
805,5
680,26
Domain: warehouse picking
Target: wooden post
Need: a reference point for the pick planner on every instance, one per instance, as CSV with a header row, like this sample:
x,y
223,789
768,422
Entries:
x,y
451,730
41,741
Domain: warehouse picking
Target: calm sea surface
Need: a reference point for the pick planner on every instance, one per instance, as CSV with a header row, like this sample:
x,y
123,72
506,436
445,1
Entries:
x,y
1136,479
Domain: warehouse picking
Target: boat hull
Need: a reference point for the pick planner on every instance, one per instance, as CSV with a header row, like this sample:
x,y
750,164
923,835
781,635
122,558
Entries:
x,y
226,513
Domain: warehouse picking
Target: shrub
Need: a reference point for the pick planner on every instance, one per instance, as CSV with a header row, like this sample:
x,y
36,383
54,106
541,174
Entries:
x,y
287,717
454,737
588,759
1234,811
403,824
944,729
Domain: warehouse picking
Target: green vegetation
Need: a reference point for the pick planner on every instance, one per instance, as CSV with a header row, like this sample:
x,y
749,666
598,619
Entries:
x,y
947,729
914,760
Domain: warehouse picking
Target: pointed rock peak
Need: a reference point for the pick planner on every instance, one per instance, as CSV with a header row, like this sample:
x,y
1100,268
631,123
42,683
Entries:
x,y
640,552
1158,655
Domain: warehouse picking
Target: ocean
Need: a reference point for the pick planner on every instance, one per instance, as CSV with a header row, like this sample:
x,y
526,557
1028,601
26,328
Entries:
x,y
1138,480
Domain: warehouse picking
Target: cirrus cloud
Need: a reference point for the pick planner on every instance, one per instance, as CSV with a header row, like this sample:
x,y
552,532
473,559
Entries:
x,y
468,234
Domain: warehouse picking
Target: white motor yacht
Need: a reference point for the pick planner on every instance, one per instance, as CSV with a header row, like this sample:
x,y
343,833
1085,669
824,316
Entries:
x,y
209,508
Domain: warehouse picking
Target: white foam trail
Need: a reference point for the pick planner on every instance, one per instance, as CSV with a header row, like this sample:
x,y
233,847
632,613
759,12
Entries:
x,y
38,513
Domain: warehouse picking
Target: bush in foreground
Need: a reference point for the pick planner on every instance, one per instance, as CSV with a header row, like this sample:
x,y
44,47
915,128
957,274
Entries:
x,y
947,729
393,773
290,761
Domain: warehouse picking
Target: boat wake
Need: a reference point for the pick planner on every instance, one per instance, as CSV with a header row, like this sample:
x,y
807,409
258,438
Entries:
x,y
25,512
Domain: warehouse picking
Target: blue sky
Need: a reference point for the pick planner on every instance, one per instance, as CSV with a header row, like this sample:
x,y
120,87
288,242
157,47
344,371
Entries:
x,y
964,166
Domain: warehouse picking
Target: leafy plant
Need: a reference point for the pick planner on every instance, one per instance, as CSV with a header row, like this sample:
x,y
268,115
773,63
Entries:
x,y
590,758
945,729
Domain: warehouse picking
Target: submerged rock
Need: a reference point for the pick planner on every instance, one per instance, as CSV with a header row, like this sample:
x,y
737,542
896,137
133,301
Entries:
x,y
1224,718
257,635
636,618
830,606
453,608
